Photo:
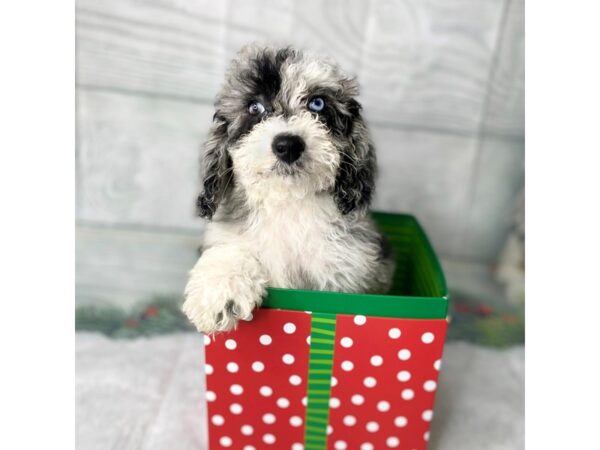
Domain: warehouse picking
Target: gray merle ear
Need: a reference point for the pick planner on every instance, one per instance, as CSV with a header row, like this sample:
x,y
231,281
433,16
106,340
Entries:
x,y
355,181
216,169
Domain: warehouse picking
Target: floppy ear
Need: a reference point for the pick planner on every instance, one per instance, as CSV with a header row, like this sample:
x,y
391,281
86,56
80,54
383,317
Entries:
x,y
216,169
355,181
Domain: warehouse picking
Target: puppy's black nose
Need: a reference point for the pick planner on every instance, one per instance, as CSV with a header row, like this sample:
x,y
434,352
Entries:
x,y
288,147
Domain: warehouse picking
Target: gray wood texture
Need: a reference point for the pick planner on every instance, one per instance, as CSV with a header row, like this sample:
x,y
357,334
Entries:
x,y
442,87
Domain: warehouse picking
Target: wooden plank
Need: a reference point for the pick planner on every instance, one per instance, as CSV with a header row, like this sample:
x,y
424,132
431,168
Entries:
x,y
125,266
505,112
428,175
425,64
138,169
158,47
421,64
499,177
138,159
139,162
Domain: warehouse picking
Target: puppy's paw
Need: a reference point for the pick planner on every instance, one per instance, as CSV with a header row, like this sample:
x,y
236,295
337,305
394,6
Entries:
x,y
216,303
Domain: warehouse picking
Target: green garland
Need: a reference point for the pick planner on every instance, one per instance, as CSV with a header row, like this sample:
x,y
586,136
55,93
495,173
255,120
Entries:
x,y
161,315
469,321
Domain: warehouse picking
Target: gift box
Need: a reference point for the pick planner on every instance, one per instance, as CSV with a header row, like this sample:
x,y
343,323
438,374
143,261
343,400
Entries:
x,y
323,370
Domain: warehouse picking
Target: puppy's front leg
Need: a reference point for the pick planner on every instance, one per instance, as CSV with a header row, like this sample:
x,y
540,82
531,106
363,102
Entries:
x,y
224,286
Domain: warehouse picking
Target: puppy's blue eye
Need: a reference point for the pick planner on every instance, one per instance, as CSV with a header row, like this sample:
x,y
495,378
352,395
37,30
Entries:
x,y
256,108
316,104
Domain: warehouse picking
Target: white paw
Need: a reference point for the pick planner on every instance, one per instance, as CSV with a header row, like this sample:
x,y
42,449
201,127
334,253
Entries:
x,y
216,300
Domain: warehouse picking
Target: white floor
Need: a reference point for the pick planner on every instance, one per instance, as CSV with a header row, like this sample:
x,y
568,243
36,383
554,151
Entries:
x,y
147,394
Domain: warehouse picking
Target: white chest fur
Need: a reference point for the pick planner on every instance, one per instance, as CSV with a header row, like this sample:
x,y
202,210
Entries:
x,y
303,243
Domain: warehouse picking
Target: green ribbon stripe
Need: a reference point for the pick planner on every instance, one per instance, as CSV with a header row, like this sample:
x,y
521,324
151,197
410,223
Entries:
x,y
320,368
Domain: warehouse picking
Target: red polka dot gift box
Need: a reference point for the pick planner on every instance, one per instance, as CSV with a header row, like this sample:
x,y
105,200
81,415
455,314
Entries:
x,y
324,370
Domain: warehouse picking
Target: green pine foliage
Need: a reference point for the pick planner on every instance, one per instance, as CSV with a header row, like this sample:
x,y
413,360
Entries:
x,y
160,315
472,321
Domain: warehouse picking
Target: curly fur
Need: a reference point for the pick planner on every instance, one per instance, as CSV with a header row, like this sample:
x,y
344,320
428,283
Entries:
x,y
302,225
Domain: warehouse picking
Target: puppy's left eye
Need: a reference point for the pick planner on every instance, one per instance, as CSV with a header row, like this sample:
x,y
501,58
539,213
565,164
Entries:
x,y
256,108
316,104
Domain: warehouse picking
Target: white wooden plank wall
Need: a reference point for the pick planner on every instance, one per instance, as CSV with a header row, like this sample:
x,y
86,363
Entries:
x,y
442,87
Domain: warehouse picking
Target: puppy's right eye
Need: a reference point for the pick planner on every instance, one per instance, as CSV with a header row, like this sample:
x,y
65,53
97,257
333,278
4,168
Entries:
x,y
256,108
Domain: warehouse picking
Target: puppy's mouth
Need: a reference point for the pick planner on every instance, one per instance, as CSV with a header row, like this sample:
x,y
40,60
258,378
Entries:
x,y
285,169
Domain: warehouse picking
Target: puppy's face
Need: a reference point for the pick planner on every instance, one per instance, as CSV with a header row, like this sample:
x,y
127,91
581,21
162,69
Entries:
x,y
287,124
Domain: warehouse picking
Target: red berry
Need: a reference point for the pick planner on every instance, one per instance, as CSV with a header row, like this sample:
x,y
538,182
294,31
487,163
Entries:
x,y
484,310
151,311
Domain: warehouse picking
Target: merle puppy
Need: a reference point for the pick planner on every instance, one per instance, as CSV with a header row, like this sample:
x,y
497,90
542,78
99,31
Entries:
x,y
288,174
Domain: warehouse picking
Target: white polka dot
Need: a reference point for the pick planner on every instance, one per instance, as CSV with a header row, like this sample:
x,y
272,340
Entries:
x,y
349,421
360,320
394,333
403,375
236,408
367,446
283,402
269,438
211,396
258,366
340,445
334,402
206,340
392,442
383,406
427,415
265,339
226,441
217,420
376,360
247,430
232,367
295,380
430,385
400,421
329,429
268,418
230,344
249,447
334,381
438,364
408,394
289,328
304,401
288,359
357,399
266,391
209,369
308,340
372,427
297,446
426,436
346,342
347,366
404,354
295,421
369,382
427,338
236,389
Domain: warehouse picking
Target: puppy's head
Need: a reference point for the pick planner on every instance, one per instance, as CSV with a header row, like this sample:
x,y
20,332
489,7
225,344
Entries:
x,y
287,124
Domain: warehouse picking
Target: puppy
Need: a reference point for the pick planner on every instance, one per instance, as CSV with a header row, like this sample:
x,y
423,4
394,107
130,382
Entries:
x,y
288,174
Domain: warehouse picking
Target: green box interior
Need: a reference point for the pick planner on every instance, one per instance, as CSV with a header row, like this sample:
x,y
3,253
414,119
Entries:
x,y
418,290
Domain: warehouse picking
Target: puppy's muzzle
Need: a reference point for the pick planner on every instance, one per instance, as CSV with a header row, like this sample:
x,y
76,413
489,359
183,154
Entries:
x,y
288,147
